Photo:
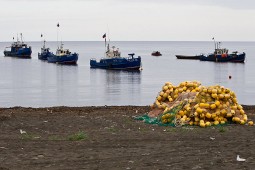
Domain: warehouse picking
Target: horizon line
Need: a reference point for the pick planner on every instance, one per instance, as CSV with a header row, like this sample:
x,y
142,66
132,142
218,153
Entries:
x,y
135,41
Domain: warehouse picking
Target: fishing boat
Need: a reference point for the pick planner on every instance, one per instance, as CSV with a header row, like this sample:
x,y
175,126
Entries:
x,y
45,52
113,60
222,55
63,56
18,49
188,57
156,53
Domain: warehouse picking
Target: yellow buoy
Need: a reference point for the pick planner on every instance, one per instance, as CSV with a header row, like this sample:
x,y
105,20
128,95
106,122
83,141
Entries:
x,y
216,122
222,122
217,103
250,123
242,111
213,106
214,91
208,124
229,115
202,125
181,113
242,122
165,95
165,88
159,98
199,110
208,115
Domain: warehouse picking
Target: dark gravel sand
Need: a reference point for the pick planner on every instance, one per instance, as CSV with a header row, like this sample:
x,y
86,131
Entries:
x,y
109,138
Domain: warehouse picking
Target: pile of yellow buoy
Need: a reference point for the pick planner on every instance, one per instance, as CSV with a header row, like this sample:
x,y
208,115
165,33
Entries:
x,y
200,105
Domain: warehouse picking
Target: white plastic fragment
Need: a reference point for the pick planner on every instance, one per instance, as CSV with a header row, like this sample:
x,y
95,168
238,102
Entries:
x,y
212,138
240,159
22,131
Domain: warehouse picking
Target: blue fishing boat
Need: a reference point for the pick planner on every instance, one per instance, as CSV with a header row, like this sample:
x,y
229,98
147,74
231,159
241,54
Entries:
x,y
63,56
113,60
45,52
18,49
222,55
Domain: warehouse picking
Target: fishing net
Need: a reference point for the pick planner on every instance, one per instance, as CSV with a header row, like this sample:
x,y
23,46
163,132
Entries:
x,y
193,104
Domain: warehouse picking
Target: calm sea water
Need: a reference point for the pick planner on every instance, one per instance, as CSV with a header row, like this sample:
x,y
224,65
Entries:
x,y
34,83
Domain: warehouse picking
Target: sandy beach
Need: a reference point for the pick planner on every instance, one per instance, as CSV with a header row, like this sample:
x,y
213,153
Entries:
x,y
108,137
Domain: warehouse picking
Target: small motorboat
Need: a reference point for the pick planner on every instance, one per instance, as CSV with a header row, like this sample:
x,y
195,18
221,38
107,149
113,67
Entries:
x,y
45,52
18,49
156,53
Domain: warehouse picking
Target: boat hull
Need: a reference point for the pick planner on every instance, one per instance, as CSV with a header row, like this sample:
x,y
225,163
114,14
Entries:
x,y
44,56
156,54
117,63
20,53
196,57
224,58
63,59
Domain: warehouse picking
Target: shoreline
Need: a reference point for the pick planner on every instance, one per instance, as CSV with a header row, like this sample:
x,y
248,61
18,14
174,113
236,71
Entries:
x,y
94,106
249,108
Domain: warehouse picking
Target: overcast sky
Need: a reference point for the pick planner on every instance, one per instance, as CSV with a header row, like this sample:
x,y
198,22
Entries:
x,y
127,20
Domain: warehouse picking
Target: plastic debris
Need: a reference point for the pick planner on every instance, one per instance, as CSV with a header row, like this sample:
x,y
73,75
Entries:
x,y
240,159
22,131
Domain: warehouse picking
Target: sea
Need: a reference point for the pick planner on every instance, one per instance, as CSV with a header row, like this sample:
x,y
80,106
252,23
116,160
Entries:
x,y
35,83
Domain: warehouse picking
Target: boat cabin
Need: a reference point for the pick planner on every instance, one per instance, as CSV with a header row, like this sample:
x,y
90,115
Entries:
x,y
221,51
43,50
16,46
218,50
61,51
112,52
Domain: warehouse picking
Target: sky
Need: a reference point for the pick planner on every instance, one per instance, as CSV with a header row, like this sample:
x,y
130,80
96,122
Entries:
x,y
128,20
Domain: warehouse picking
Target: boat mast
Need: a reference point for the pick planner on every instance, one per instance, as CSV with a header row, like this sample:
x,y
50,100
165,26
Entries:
x,y
17,37
57,34
43,40
104,36
21,38
214,43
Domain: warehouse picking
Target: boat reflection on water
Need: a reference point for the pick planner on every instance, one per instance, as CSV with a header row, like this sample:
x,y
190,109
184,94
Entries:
x,y
116,86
